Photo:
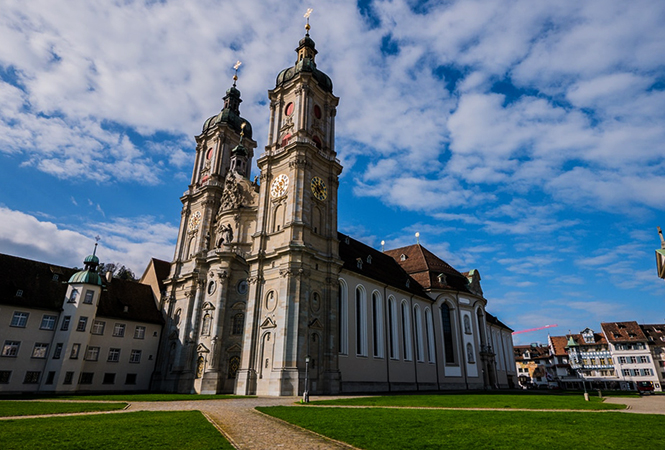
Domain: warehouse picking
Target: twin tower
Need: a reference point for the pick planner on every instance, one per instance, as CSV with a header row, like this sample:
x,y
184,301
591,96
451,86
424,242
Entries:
x,y
253,286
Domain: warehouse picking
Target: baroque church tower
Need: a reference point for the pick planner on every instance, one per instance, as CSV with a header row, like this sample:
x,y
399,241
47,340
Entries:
x,y
253,286
291,309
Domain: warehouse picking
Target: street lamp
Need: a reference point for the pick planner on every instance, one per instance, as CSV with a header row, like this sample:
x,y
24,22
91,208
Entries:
x,y
305,394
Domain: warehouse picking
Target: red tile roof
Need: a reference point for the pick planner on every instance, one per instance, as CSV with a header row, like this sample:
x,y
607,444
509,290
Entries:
x,y
623,332
559,345
655,334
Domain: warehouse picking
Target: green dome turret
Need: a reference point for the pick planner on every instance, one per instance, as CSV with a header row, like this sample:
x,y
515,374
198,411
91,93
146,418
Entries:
x,y
88,275
230,113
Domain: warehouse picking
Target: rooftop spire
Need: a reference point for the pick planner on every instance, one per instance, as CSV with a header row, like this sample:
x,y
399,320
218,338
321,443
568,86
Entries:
x,y
235,76
662,239
306,16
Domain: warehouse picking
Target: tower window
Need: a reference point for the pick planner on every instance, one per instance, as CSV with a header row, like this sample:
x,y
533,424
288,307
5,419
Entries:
x,y
317,141
285,140
289,109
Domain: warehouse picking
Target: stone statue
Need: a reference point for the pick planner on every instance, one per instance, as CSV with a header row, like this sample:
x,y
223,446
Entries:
x,y
207,241
231,197
227,233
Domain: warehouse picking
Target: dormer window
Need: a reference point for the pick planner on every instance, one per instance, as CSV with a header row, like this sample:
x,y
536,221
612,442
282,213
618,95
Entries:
x,y
632,335
56,277
408,282
402,257
347,241
19,293
621,326
442,278
359,263
369,259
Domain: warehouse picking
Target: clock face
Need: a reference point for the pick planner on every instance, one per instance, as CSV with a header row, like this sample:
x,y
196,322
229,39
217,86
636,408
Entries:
x,y
195,221
279,185
319,188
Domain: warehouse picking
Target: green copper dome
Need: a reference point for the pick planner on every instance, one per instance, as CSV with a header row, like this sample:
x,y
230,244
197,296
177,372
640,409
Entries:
x,y
86,277
230,114
306,64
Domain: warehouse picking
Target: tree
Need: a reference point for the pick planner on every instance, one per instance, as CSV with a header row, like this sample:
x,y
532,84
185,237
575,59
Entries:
x,y
117,271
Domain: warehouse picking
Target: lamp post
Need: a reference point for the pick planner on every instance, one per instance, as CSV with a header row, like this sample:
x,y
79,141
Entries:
x,y
305,394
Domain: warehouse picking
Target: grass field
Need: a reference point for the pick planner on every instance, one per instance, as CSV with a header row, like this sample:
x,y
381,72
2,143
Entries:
x,y
130,397
140,430
507,401
381,428
18,408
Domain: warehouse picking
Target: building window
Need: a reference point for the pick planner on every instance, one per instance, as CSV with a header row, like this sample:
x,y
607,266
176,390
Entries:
x,y
5,375
644,359
86,377
406,332
10,349
238,323
89,295
50,377
48,322
109,378
114,355
622,360
65,323
40,350
633,360
119,330
98,327
58,351
418,328
92,354
83,323
31,377
429,331
392,325
377,325
343,319
361,322
75,351
139,332
135,357
448,343
130,378
626,372
20,319
69,376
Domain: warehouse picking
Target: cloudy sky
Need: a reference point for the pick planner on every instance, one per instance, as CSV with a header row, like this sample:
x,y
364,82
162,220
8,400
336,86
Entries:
x,y
525,139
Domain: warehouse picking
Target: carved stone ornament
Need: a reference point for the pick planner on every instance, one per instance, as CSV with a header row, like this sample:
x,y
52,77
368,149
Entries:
x,y
268,323
202,349
231,198
291,272
316,324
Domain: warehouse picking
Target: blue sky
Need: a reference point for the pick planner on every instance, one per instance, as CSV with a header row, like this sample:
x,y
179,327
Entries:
x,y
523,139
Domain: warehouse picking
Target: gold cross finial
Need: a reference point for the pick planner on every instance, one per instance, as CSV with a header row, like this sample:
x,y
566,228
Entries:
x,y
306,16
236,66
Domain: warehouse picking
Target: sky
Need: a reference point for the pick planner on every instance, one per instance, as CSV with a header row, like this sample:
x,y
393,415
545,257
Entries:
x,y
521,138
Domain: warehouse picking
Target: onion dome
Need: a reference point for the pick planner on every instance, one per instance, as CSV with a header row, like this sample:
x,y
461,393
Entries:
x,y
306,53
88,275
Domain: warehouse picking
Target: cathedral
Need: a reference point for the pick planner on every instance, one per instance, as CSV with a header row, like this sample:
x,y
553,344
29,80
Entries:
x,y
266,297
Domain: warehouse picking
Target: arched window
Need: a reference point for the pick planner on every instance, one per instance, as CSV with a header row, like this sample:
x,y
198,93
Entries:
x,y
343,313
406,332
238,323
470,358
361,322
377,325
316,220
429,329
392,325
448,340
205,327
278,217
234,364
418,328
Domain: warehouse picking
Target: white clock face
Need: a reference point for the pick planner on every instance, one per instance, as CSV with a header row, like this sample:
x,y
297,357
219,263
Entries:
x,y
279,185
195,221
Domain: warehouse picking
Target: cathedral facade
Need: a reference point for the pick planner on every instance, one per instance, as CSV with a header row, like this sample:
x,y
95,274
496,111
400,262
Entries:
x,y
266,297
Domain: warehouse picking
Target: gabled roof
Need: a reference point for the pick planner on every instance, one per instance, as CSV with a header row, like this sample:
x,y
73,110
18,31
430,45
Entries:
x,y
40,290
559,345
655,334
493,320
161,270
379,267
598,338
36,280
426,268
623,332
535,352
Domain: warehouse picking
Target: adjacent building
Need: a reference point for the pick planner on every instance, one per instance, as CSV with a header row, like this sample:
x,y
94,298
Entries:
x,y
64,330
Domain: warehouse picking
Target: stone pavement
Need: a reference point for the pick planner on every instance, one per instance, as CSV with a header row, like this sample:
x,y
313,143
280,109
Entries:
x,y
247,428
648,404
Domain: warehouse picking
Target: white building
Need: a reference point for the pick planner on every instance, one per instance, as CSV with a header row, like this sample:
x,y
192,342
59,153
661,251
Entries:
x,y
64,330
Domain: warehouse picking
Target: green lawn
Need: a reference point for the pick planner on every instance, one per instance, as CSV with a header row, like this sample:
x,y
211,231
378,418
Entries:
x,y
518,401
140,430
21,408
151,397
381,428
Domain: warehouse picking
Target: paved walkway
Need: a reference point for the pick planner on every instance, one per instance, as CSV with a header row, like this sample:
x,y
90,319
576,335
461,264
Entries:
x,y
648,404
